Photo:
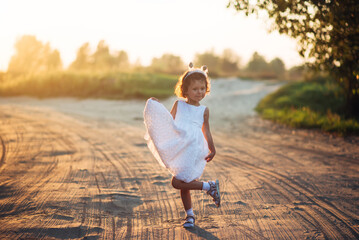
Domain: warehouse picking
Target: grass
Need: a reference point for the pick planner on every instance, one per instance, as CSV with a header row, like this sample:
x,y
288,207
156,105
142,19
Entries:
x,y
312,104
110,85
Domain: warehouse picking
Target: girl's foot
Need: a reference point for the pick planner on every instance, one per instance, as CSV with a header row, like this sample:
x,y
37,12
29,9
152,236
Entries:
x,y
189,223
214,192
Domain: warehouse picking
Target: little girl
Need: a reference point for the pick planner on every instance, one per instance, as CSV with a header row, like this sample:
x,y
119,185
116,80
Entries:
x,y
181,140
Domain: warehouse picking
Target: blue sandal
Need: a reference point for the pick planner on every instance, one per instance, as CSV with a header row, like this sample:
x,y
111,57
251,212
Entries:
x,y
214,192
189,223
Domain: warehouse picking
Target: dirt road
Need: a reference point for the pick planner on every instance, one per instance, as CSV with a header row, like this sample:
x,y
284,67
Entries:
x,y
81,170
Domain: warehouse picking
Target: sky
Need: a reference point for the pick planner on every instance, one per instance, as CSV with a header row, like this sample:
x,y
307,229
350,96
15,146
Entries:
x,y
143,28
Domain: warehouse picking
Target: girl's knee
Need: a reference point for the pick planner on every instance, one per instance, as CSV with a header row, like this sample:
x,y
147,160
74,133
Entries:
x,y
175,183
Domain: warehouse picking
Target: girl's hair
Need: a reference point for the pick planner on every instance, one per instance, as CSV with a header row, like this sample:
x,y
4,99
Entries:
x,y
185,80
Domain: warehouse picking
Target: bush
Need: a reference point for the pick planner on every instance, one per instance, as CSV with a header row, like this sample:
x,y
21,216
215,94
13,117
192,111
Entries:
x,y
312,104
112,85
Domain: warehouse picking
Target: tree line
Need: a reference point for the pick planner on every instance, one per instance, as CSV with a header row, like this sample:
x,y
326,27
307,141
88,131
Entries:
x,y
32,57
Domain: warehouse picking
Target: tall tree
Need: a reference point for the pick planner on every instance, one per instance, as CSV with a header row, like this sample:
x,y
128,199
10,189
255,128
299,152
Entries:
x,y
229,61
32,56
102,59
83,58
168,63
257,63
277,66
327,33
54,60
122,61
211,60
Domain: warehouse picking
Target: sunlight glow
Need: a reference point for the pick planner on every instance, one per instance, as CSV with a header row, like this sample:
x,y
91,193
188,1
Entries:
x,y
144,29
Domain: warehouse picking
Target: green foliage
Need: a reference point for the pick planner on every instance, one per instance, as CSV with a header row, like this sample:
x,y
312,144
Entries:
x,y
211,60
257,63
259,68
327,33
318,103
223,65
277,67
113,85
307,118
2,76
100,60
297,72
168,63
229,62
83,59
32,56
319,97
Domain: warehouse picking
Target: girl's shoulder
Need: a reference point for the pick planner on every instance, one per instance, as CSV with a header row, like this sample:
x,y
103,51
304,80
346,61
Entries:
x,y
180,103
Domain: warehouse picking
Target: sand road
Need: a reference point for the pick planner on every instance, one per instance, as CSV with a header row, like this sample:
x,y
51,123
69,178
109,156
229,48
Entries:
x,y
80,169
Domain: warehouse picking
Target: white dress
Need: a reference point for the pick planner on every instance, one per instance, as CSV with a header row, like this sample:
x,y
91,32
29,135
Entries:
x,y
179,145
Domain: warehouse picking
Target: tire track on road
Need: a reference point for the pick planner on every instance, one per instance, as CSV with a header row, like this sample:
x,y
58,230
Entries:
x,y
3,152
98,179
292,186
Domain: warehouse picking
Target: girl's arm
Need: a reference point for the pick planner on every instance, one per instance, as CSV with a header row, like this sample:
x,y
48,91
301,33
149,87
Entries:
x,y
174,110
207,134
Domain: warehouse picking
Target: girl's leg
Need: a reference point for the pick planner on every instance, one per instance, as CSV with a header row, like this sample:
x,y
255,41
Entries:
x,y
186,199
211,187
194,185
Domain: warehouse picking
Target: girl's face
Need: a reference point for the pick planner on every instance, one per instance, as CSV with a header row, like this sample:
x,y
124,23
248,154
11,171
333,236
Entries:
x,y
196,91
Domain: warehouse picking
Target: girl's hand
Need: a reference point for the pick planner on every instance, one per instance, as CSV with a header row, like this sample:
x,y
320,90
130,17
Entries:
x,y
154,99
210,156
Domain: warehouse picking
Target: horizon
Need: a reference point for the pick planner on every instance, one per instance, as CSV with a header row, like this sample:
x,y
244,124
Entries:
x,y
148,35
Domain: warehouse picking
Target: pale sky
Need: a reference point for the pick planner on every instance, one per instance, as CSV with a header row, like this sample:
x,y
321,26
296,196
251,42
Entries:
x,y
143,28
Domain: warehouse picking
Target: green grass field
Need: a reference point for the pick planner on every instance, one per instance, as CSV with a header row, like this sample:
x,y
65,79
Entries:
x,y
109,85
312,104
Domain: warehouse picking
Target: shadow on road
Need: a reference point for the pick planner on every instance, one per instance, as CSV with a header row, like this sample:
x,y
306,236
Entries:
x,y
200,232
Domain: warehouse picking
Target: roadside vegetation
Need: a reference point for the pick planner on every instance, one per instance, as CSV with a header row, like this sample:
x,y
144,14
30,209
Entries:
x,y
36,70
324,33
108,85
315,103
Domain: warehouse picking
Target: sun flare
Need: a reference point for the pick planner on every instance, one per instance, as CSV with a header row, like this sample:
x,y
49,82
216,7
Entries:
x,y
144,29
